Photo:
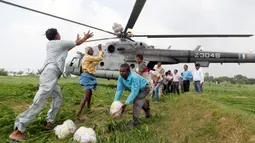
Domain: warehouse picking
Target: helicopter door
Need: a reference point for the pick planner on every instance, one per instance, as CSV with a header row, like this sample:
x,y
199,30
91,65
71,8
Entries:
x,y
77,65
74,67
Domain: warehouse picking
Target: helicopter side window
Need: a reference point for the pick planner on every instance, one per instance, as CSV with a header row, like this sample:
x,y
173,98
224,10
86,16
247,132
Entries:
x,y
101,64
111,49
132,66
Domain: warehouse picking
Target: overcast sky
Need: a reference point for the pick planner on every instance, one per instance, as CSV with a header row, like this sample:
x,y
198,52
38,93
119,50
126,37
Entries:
x,y
23,44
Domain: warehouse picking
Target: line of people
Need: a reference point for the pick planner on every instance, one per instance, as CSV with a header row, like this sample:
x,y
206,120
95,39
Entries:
x,y
163,83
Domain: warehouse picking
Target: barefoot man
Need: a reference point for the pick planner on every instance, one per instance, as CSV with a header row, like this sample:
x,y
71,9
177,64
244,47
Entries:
x,y
88,78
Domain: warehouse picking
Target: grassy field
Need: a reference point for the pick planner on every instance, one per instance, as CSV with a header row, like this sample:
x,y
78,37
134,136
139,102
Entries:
x,y
223,113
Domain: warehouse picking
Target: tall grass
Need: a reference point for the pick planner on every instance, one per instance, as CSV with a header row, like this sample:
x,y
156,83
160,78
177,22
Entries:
x,y
210,117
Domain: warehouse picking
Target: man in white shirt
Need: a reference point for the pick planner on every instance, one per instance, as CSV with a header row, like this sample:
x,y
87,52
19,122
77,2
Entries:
x,y
198,78
176,81
170,81
53,67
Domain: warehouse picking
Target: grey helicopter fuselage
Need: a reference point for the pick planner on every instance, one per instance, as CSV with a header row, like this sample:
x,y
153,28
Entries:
x,y
123,51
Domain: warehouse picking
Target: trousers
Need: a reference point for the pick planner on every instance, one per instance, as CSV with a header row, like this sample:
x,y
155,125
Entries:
x,y
186,84
198,87
48,86
139,103
176,88
157,90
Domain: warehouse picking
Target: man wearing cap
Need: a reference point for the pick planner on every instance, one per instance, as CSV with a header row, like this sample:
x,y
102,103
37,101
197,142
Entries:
x,y
198,78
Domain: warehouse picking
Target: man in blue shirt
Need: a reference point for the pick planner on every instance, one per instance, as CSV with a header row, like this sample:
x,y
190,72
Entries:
x,y
186,77
140,88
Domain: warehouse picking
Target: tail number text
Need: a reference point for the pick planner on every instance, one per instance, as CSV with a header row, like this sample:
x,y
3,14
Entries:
x,y
207,55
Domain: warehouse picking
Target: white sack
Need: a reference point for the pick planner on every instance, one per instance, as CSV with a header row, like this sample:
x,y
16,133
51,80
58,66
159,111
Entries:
x,y
115,107
85,135
63,130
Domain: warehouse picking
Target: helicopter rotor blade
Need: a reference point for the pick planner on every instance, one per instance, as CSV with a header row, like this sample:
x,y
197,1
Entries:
x,y
102,39
12,4
134,14
194,36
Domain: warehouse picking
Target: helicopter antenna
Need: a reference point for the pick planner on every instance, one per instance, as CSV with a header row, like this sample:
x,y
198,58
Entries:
x,y
197,48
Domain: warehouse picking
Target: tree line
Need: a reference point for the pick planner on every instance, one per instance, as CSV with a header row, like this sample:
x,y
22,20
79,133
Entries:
x,y
237,79
28,72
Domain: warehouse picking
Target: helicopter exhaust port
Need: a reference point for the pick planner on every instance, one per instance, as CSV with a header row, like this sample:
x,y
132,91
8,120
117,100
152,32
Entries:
x,y
111,49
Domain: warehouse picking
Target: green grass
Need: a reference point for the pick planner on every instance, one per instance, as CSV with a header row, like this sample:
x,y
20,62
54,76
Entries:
x,y
220,114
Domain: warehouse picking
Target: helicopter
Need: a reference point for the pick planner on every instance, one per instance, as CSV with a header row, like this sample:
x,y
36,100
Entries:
x,y
126,49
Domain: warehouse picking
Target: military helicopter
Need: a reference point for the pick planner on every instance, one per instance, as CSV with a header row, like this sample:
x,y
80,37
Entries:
x,y
126,49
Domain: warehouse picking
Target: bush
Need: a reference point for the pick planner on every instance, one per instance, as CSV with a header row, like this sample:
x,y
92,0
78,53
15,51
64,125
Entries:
x,y
3,72
225,83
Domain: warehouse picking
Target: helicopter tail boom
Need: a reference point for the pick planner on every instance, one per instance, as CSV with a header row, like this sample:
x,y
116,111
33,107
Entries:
x,y
194,56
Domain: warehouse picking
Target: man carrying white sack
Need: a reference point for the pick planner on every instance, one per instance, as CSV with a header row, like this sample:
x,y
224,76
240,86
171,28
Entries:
x,y
140,89
57,51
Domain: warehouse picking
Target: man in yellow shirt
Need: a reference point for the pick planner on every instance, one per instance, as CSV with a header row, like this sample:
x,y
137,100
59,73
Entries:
x,y
88,78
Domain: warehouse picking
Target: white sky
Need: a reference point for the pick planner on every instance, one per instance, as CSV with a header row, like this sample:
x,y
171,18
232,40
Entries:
x,y
22,39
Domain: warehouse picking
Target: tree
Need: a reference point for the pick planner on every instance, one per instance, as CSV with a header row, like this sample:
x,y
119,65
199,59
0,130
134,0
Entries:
x,y
240,79
3,72
251,81
28,71
14,73
31,74
20,72
38,72
208,77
